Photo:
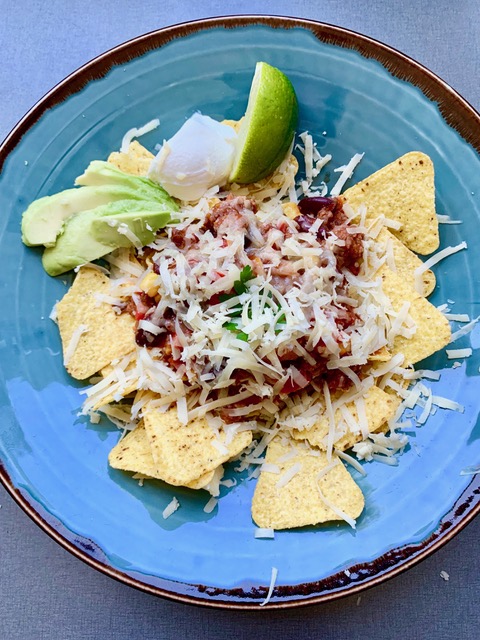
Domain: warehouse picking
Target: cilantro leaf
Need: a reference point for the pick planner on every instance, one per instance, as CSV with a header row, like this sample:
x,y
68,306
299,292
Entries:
x,y
246,274
241,335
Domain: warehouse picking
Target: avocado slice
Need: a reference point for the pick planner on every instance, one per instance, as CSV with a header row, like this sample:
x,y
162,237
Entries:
x,y
89,235
43,220
100,172
101,183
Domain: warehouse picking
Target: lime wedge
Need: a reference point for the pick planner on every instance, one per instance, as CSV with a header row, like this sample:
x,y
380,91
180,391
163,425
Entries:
x,y
268,127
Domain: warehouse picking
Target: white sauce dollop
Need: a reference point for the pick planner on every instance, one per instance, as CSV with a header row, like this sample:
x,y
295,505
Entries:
x,y
199,156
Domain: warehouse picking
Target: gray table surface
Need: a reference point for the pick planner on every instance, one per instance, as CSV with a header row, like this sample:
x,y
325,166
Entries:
x,y
47,593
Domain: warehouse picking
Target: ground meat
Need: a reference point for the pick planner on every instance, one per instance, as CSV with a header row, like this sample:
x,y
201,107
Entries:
x,y
346,316
349,256
139,305
178,238
318,373
334,222
228,215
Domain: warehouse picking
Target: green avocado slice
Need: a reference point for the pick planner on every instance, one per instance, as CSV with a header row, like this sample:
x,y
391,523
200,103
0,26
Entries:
x,y
43,221
89,235
100,172
101,184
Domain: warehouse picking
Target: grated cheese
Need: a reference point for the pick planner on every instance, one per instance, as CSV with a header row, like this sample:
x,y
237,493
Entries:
x,y
53,313
464,330
211,504
346,173
136,132
457,317
288,475
446,403
171,507
351,461
74,340
341,514
273,579
452,354
444,219
125,230
428,264
264,533
470,471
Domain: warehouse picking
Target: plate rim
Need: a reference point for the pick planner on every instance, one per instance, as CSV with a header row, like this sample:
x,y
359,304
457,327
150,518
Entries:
x,y
467,505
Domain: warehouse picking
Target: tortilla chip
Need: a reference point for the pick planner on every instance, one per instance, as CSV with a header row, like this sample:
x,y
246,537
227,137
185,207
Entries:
x,y
133,453
136,161
113,397
125,390
404,191
299,502
433,329
183,453
406,262
381,355
379,408
202,481
108,336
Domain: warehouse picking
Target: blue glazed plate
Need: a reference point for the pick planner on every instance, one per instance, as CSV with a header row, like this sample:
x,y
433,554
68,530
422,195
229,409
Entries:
x,y
355,95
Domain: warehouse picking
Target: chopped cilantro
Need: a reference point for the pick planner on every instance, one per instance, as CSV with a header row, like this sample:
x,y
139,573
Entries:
x,y
246,274
240,287
231,326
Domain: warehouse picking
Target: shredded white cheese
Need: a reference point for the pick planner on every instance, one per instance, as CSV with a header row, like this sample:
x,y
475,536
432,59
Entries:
x,y
273,579
452,354
211,504
346,173
53,313
74,340
457,317
288,475
264,533
464,330
428,264
171,507
444,219
470,471
136,132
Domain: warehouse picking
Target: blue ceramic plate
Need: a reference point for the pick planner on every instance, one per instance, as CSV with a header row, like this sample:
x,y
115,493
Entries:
x,y
365,97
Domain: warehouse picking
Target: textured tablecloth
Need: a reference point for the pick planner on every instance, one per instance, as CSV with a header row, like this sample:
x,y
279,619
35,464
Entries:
x,y
47,593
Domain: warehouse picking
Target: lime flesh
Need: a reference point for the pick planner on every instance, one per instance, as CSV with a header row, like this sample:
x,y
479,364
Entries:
x,y
267,130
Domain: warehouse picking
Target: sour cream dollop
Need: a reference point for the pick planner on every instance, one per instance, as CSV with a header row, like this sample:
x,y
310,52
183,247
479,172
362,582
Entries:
x,y
199,156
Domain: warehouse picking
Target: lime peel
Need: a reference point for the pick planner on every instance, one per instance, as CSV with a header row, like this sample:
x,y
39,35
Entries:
x,y
268,127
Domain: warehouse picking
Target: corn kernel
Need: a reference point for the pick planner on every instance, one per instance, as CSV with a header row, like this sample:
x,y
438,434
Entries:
x,y
291,210
148,284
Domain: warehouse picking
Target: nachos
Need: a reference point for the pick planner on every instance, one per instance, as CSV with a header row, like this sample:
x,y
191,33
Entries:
x,y
275,332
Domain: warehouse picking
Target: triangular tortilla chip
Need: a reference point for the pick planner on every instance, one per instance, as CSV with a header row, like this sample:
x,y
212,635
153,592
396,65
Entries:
x,y
107,335
183,453
433,329
379,408
133,453
406,262
136,161
124,389
299,502
404,191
